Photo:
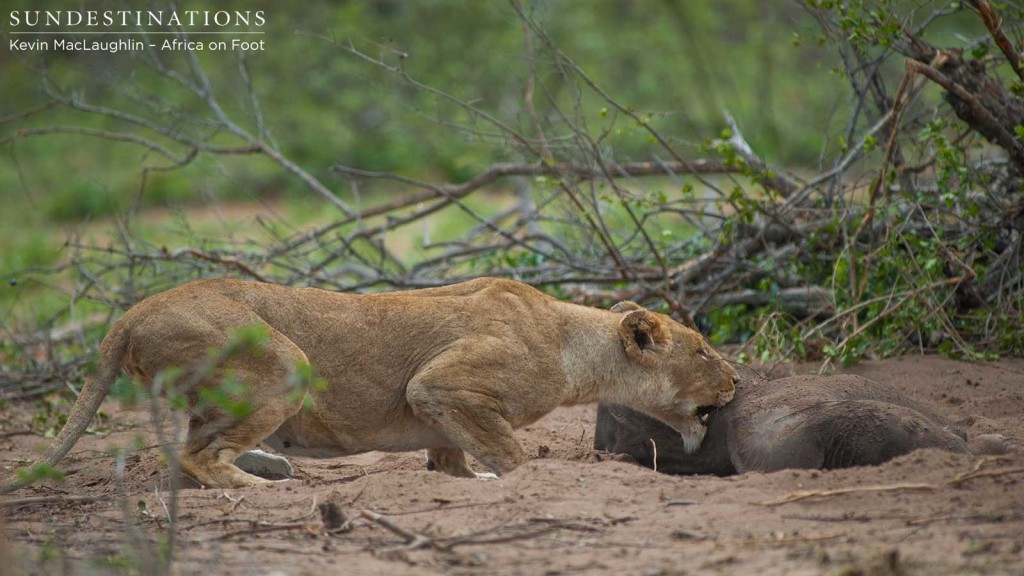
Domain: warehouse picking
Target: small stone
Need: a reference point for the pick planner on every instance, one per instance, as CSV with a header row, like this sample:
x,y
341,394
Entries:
x,y
331,515
681,534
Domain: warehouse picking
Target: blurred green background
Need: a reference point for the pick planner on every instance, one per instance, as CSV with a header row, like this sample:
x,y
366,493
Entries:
x,y
679,63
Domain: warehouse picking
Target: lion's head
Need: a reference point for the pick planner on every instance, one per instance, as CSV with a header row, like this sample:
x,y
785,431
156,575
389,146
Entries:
x,y
690,379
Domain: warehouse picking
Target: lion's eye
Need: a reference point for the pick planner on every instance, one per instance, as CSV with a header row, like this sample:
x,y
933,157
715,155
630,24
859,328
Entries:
x,y
704,353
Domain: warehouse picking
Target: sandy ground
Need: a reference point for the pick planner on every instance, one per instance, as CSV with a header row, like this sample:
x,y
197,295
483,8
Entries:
x,y
569,510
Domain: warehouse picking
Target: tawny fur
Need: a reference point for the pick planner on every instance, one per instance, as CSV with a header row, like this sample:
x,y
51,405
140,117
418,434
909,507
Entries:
x,y
452,370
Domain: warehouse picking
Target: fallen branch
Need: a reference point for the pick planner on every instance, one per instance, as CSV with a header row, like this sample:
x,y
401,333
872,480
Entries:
x,y
15,503
256,530
413,541
469,540
957,480
985,474
788,539
523,531
805,494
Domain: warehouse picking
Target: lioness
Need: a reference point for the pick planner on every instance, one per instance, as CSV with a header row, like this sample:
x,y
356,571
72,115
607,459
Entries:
x,y
795,422
448,369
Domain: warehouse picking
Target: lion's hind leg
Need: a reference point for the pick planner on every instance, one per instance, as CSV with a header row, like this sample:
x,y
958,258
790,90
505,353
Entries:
x,y
264,464
227,424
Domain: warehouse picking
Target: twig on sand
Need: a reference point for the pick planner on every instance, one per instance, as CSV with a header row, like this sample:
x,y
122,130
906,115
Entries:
x,y
500,534
14,503
533,528
233,502
447,506
790,539
805,494
975,472
476,539
985,474
257,530
413,541
679,502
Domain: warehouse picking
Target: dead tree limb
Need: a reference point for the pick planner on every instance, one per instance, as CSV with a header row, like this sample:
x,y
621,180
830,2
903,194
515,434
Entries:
x,y
991,20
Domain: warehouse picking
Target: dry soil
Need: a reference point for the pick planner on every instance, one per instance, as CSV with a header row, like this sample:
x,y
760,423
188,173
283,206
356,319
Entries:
x,y
569,510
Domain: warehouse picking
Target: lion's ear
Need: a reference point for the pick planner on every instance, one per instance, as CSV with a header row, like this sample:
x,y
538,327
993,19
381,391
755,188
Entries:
x,y
643,335
626,306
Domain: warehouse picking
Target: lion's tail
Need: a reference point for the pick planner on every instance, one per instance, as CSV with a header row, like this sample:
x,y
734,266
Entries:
x,y
108,367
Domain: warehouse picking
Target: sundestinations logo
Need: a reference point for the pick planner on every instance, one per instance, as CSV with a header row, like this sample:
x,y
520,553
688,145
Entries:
x,y
120,30
109,18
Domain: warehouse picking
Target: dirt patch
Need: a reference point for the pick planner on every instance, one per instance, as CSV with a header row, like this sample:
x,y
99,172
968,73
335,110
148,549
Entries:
x,y
568,510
